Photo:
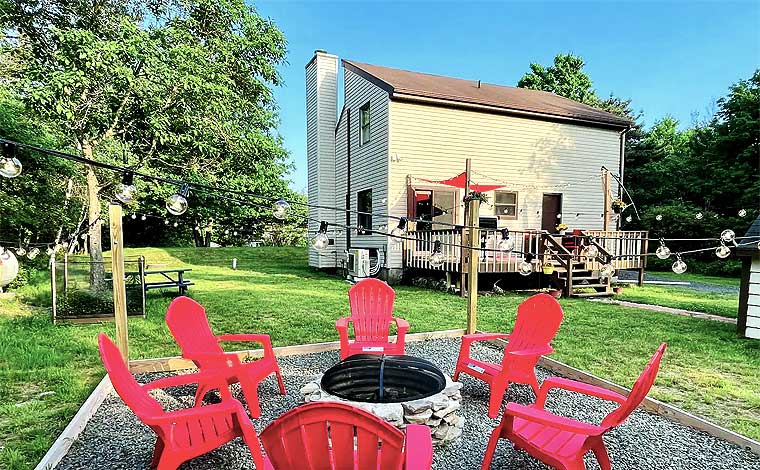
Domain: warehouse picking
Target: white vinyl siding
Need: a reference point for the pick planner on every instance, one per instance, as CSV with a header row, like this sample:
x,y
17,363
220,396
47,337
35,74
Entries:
x,y
433,142
753,300
369,162
321,104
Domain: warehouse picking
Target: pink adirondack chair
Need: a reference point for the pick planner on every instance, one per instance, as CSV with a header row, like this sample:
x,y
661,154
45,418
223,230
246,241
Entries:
x,y
337,436
538,319
189,325
371,314
562,442
184,434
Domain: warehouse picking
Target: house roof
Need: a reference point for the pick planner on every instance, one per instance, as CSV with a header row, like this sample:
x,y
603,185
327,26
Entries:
x,y
751,245
456,92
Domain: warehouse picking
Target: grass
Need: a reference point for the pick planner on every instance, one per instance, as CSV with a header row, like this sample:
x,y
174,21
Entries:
x,y
700,278
706,370
725,305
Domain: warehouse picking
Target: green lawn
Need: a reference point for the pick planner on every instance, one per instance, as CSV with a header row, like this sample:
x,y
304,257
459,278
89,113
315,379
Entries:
x,y
701,278
707,370
716,303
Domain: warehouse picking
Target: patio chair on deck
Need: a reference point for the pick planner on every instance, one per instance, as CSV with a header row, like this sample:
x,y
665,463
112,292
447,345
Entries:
x,y
538,319
371,314
184,434
188,324
562,442
337,436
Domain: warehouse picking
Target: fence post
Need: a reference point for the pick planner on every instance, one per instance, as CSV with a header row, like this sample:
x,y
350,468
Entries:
x,y
53,293
117,274
473,257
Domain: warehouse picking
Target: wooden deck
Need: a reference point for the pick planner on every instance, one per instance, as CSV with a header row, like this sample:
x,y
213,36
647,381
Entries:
x,y
625,248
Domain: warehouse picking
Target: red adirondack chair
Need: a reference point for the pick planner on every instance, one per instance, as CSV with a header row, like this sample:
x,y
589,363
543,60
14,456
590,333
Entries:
x,y
184,434
337,436
188,324
371,313
538,319
562,442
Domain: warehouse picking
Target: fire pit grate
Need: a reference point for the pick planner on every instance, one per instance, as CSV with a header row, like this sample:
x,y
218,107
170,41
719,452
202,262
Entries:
x,y
383,379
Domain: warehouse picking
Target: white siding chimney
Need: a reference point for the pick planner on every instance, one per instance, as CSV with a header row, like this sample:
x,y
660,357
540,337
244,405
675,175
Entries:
x,y
321,109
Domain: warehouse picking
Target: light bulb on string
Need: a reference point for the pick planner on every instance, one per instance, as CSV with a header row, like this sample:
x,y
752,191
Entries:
x,y
629,219
728,236
506,244
698,215
134,216
21,251
679,267
658,217
176,224
559,216
234,234
143,218
125,191
281,208
400,229
177,204
33,253
166,221
722,251
321,241
5,254
662,252
525,268
436,258
10,166
742,212
226,232
50,251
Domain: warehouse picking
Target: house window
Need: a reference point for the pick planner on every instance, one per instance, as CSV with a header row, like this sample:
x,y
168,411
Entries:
x,y
505,204
364,204
364,131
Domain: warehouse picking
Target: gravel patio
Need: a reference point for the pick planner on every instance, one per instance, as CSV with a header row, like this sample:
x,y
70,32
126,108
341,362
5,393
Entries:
x,y
115,439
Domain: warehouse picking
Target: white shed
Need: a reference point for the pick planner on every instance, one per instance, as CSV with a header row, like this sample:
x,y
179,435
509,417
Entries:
x,y
748,324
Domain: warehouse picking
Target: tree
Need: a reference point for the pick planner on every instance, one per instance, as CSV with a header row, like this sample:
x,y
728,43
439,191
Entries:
x,y
178,88
565,78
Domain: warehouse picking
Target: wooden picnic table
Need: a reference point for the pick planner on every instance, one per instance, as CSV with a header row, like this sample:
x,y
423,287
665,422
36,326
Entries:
x,y
179,282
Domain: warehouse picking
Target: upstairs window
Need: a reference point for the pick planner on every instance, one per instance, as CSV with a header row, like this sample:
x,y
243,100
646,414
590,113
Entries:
x,y
364,128
505,204
364,204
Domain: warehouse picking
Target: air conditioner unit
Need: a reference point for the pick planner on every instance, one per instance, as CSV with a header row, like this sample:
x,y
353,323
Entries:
x,y
358,263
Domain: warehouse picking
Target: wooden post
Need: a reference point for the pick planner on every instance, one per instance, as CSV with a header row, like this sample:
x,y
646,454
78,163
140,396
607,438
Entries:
x,y
463,288
644,250
53,293
607,202
117,274
473,264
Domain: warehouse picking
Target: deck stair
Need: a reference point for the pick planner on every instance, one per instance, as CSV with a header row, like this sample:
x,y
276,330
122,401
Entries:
x,y
574,277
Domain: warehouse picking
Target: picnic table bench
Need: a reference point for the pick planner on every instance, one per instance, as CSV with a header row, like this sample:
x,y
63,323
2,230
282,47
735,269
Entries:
x,y
168,282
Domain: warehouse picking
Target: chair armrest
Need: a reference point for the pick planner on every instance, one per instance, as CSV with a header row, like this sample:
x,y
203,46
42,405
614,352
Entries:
x,y
185,379
401,323
532,352
172,417
342,323
537,415
419,447
246,338
213,359
579,387
469,339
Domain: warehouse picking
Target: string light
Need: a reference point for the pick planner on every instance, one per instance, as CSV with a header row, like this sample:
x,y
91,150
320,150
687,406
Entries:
x,y
679,267
728,236
10,166
606,271
436,258
21,251
125,191
177,204
629,219
143,218
321,241
742,212
400,229
590,251
176,224
281,209
506,244
134,216
698,215
722,251
166,221
662,252
33,253
658,217
5,254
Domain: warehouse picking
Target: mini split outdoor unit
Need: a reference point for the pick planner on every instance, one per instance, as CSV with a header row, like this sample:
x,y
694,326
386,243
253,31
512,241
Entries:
x,y
358,263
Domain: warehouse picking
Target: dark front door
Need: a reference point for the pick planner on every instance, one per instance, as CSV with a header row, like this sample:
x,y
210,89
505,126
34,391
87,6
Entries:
x,y
551,207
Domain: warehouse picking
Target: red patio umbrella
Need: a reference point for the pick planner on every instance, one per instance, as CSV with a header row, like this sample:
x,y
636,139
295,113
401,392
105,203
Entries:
x,y
460,181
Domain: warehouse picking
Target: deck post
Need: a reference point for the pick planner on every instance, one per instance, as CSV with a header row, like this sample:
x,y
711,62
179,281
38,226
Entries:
x,y
607,203
473,263
463,288
117,276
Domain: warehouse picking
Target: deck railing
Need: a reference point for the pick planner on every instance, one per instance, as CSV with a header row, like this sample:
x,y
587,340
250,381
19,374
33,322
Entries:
x,y
626,248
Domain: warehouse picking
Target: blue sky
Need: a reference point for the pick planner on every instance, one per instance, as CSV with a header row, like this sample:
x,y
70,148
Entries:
x,y
672,58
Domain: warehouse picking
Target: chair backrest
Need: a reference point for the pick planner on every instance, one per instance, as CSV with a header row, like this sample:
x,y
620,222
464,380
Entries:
x,y
371,303
188,323
322,436
136,398
638,391
538,319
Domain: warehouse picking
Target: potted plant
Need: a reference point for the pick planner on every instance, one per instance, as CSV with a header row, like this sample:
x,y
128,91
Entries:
x,y
561,228
618,206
